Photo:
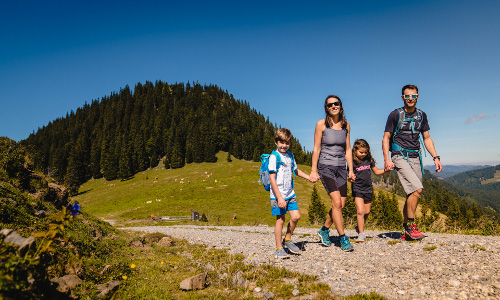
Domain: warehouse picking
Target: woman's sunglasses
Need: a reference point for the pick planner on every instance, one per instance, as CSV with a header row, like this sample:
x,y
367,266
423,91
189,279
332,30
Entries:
x,y
332,104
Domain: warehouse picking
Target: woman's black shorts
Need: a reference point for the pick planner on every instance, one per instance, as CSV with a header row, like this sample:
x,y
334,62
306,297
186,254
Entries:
x,y
334,178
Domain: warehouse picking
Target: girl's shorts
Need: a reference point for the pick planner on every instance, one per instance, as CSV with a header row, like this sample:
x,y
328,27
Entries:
x,y
367,197
334,178
291,204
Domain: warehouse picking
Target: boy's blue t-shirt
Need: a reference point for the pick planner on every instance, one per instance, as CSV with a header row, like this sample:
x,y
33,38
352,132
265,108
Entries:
x,y
283,176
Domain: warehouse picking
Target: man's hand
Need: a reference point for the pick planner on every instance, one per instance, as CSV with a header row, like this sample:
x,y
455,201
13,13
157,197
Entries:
x,y
388,166
439,166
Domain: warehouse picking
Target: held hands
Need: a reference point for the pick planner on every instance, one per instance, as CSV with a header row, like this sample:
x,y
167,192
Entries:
x,y
388,166
351,176
313,177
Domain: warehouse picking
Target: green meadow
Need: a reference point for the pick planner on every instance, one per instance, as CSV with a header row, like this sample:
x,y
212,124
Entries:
x,y
219,190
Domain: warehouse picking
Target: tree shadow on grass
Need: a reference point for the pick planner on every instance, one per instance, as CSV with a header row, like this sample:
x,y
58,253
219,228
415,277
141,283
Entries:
x,y
83,192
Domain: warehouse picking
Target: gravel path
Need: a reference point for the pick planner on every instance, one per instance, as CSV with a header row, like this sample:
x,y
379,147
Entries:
x,y
460,267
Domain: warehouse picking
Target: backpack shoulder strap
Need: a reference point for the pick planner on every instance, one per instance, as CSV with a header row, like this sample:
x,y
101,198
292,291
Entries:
x,y
278,159
400,122
293,162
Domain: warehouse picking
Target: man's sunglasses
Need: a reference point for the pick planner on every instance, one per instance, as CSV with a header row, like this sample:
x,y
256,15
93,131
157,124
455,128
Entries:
x,y
332,104
414,96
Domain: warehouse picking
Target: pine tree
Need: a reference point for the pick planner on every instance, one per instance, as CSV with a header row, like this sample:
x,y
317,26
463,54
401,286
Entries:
x,y
317,210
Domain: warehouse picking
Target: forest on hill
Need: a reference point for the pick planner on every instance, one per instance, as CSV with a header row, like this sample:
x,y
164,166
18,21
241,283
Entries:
x,y
480,186
128,132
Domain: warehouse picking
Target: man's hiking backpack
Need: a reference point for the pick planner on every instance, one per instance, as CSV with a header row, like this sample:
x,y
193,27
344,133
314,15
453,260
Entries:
x,y
264,167
402,120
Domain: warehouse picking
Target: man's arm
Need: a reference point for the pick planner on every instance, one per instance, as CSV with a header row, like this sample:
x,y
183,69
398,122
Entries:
x,y
388,164
429,145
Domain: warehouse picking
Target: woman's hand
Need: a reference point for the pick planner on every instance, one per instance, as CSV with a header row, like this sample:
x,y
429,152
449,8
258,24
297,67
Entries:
x,y
313,177
351,176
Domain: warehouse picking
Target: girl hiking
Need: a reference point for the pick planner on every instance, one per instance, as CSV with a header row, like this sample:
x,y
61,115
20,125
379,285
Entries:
x,y
362,188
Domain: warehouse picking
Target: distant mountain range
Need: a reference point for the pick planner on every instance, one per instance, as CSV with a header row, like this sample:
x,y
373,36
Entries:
x,y
451,170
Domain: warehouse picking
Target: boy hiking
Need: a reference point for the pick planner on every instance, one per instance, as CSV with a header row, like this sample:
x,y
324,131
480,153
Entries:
x,y
401,138
283,198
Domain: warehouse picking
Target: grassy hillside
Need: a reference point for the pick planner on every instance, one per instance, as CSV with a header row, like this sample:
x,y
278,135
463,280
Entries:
x,y
219,190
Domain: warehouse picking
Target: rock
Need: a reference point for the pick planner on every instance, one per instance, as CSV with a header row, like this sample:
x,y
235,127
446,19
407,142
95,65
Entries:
x,y
165,241
15,238
268,295
209,267
56,194
105,288
295,292
106,267
257,289
454,283
136,244
41,213
194,283
67,282
238,280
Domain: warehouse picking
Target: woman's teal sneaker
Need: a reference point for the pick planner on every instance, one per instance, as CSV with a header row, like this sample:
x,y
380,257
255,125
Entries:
x,y
324,237
345,244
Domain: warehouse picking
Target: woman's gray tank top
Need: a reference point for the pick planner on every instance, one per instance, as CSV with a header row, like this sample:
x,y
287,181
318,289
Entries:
x,y
333,147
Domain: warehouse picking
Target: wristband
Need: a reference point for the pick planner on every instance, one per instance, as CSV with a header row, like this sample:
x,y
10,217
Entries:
x,y
437,156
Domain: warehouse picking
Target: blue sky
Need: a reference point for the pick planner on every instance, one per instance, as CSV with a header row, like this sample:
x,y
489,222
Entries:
x,y
282,57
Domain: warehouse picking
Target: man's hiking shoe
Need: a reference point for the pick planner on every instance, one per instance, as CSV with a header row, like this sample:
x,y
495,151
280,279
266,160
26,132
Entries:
x,y
361,238
357,229
345,244
281,253
291,247
412,232
324,237
403,234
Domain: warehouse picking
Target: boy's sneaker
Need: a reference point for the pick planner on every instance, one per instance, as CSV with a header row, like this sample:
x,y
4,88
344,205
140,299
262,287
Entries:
x,y
412,232
324,237
281,253
291,247
361,238
345,244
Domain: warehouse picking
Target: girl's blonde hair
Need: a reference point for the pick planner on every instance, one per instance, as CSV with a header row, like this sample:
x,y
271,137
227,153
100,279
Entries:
x,y
360,143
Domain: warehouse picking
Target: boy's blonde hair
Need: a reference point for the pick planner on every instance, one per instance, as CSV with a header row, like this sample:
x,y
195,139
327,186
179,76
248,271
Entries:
x,y
283,135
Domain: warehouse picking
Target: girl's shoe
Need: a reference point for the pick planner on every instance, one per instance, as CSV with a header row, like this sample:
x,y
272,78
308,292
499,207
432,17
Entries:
x,y
345,244
361,238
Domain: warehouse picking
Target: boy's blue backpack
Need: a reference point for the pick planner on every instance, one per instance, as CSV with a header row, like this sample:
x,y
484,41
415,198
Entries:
x,y
264,168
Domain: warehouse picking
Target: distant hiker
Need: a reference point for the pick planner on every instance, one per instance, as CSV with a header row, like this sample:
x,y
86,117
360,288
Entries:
x,y
401,138
281,167
332,149
362,187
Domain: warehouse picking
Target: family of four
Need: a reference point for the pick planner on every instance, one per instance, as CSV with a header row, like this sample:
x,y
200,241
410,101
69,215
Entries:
x,y
332,152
